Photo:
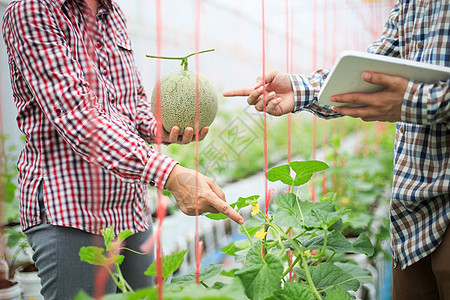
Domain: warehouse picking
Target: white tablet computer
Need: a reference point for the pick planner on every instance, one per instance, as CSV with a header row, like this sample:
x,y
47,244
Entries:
x,y
346,75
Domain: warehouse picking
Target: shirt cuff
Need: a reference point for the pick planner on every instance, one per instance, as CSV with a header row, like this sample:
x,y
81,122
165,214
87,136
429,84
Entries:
x,y
304,93
157,169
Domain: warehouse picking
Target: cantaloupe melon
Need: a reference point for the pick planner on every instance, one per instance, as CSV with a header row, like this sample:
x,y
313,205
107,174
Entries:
x,y
178,97
178,100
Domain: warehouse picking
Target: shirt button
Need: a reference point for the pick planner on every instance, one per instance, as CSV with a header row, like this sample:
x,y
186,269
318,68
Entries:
x,y
58,111
99,44
152,183
106,72
402,130
419,45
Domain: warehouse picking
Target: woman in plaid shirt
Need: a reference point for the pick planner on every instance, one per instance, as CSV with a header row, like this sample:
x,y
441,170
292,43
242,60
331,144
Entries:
x,y
417,30
86,164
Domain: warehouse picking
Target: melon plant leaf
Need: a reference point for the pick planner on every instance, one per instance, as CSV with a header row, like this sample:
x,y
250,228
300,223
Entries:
x,y
205,273
83,296
93,255
305,169
326,218
363,276
123,235
192,291
335,241
282,173
363,245
229,273
240,203
326,274
337,293
240,256
293,212
260,276
108,236
216,217
293,291
170,263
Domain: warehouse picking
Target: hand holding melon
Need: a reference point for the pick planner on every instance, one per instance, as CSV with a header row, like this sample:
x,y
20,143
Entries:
x,y
176,95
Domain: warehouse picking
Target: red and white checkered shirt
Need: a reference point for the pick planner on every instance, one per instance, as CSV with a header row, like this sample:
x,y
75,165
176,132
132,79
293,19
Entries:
x,y
84,114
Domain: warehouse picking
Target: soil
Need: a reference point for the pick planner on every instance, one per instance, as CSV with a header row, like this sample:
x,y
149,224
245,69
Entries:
x,y
4,284
29,268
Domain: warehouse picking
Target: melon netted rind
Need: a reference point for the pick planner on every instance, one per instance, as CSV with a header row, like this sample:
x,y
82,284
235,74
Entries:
x,y
178,100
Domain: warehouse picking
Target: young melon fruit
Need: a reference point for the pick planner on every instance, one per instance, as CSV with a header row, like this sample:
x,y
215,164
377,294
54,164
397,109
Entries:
x,y
178,100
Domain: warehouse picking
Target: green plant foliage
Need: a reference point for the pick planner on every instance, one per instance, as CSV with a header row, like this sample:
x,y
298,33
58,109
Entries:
x,y
311,231
192,291
293,291
204,273
170,264
260,275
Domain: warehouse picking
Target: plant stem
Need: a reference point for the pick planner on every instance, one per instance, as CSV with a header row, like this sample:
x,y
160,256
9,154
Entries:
x,y
300,250
322,251
247,234
183,59
291,266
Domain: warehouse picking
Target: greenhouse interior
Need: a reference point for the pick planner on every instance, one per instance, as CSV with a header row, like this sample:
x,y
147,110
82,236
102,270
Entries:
x,y
283,197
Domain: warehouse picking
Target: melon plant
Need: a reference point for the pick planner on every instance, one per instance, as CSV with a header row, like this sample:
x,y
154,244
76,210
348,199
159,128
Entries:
x,y
178,97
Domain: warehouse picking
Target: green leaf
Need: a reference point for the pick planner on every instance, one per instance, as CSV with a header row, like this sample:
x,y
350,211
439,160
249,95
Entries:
x,y
292,212
170,263
123,235
83,296
326,275
363,245
282,173
337,293
325,218
241,255
192,291
108,235
305,169
229,273
363,276
216,217
93,255
335,241
240,203
204,273
243,202
293,291
260,276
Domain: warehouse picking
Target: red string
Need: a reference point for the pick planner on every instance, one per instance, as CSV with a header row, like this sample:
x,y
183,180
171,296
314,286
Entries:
x,y
289,43
312,183
159,130
264,104
198,244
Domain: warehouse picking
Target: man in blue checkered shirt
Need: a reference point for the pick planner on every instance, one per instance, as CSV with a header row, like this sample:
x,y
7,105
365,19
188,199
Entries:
x,y
417,30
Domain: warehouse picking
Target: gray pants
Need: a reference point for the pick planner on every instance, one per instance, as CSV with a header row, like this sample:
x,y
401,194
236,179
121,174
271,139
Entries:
x,y
62,273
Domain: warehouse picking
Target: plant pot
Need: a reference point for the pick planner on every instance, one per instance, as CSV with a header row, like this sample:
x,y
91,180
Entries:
x,y
30,282
10,290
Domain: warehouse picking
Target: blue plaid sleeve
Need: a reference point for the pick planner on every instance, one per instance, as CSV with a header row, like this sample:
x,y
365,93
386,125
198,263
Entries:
x,y
306,90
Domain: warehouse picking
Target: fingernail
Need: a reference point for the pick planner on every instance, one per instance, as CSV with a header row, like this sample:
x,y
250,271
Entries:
x,y
260,89
241,222
367,76
333,99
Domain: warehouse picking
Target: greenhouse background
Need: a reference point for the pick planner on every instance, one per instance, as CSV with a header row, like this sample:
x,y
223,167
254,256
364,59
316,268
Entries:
x,y
300,37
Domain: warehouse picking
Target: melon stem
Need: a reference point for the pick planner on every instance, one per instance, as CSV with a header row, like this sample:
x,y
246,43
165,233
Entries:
x,y
184,59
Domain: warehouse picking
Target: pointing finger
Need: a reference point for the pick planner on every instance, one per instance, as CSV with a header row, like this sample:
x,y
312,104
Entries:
x,y
238,92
